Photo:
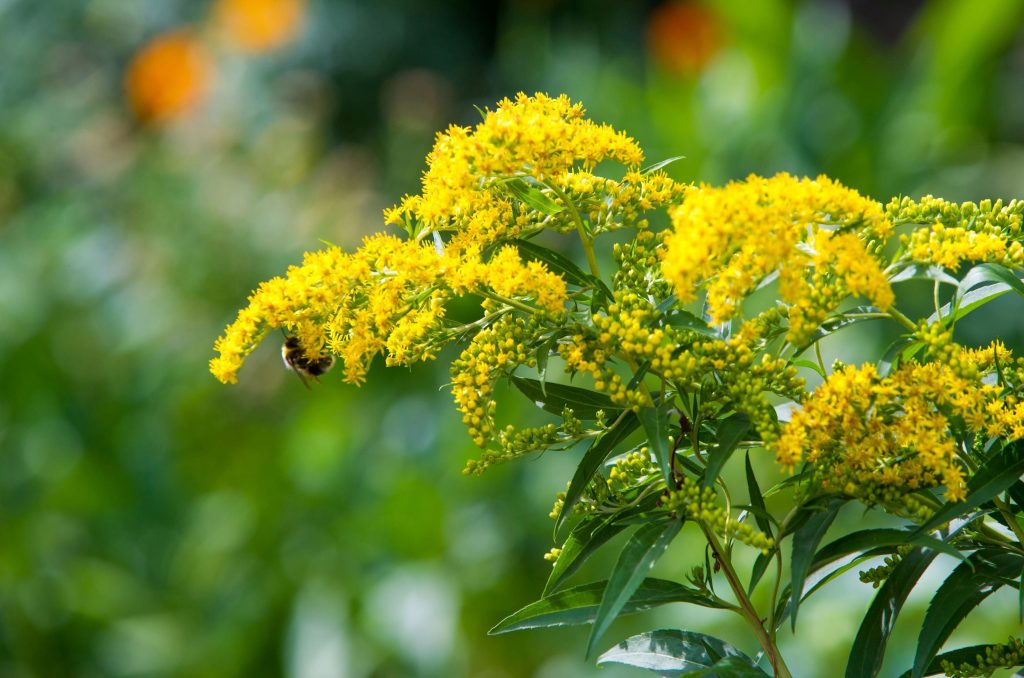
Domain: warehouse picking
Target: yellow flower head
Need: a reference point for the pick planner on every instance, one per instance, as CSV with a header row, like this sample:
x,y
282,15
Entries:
x,y
538,137
816,233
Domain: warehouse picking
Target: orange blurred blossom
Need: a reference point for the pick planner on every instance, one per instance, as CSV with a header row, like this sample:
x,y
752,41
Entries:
x,y
257,26
168,77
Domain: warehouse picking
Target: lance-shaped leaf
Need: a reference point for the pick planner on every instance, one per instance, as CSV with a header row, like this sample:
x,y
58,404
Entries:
x,y
531,196
680,653
555,398
556,263
865,540
581,543
661,164
805,543
730,433
635,561
916,271
655,421
996,475
963,590
579,604
757,499
869,646
592,460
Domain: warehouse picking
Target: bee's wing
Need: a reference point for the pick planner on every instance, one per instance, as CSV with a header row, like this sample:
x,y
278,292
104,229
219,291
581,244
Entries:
x,y
302,378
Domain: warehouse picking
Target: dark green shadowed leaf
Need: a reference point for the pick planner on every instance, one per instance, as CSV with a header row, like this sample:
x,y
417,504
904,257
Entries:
x,y
730,433
964,589
681,653
864,540
869,646
757,499
805,543
655,423
592,460
556,263
999,472
555,398
579,605
636,559
532,196
581,543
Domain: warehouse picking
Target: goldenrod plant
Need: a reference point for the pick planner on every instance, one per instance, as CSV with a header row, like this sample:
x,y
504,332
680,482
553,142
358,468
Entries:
x,y
696,352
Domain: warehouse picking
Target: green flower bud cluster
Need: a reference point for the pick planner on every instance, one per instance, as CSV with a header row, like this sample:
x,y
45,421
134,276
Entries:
x,y
639,266
701,504
630,471
494,351
1006,656
552,555
513,443
877,575
1006,217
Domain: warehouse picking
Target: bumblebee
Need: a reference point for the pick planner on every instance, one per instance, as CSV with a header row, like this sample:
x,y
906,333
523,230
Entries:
x,y
295,359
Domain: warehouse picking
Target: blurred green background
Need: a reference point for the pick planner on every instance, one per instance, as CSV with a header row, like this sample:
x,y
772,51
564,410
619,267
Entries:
x,y
156,523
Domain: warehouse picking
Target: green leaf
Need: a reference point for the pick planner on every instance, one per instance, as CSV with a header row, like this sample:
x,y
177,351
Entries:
x,y
963,655
655,423
556,263
585,539
661,164
532,196
998,473
757,499
592,460
838,322
761,564
923,272
730,433
858,542
869,646
675,652
805,543
969,302
579,605
556,397
963,590
688,321
635,561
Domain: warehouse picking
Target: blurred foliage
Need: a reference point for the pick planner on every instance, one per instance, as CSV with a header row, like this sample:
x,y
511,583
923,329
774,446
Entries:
x,y
155,523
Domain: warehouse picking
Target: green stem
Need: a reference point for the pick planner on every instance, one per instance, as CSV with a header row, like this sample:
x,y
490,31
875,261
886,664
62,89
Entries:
x,y
585,239
746,609
510,302
1010,519
898,316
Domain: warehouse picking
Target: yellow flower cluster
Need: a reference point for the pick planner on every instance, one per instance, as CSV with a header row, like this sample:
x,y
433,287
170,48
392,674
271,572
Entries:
x,y
387,297
539,137
507,275
879,437
735,237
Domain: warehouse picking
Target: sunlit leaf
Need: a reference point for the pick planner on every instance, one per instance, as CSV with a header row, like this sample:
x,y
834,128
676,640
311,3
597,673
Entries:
x,y
532,196
661,164
585,539
680,653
